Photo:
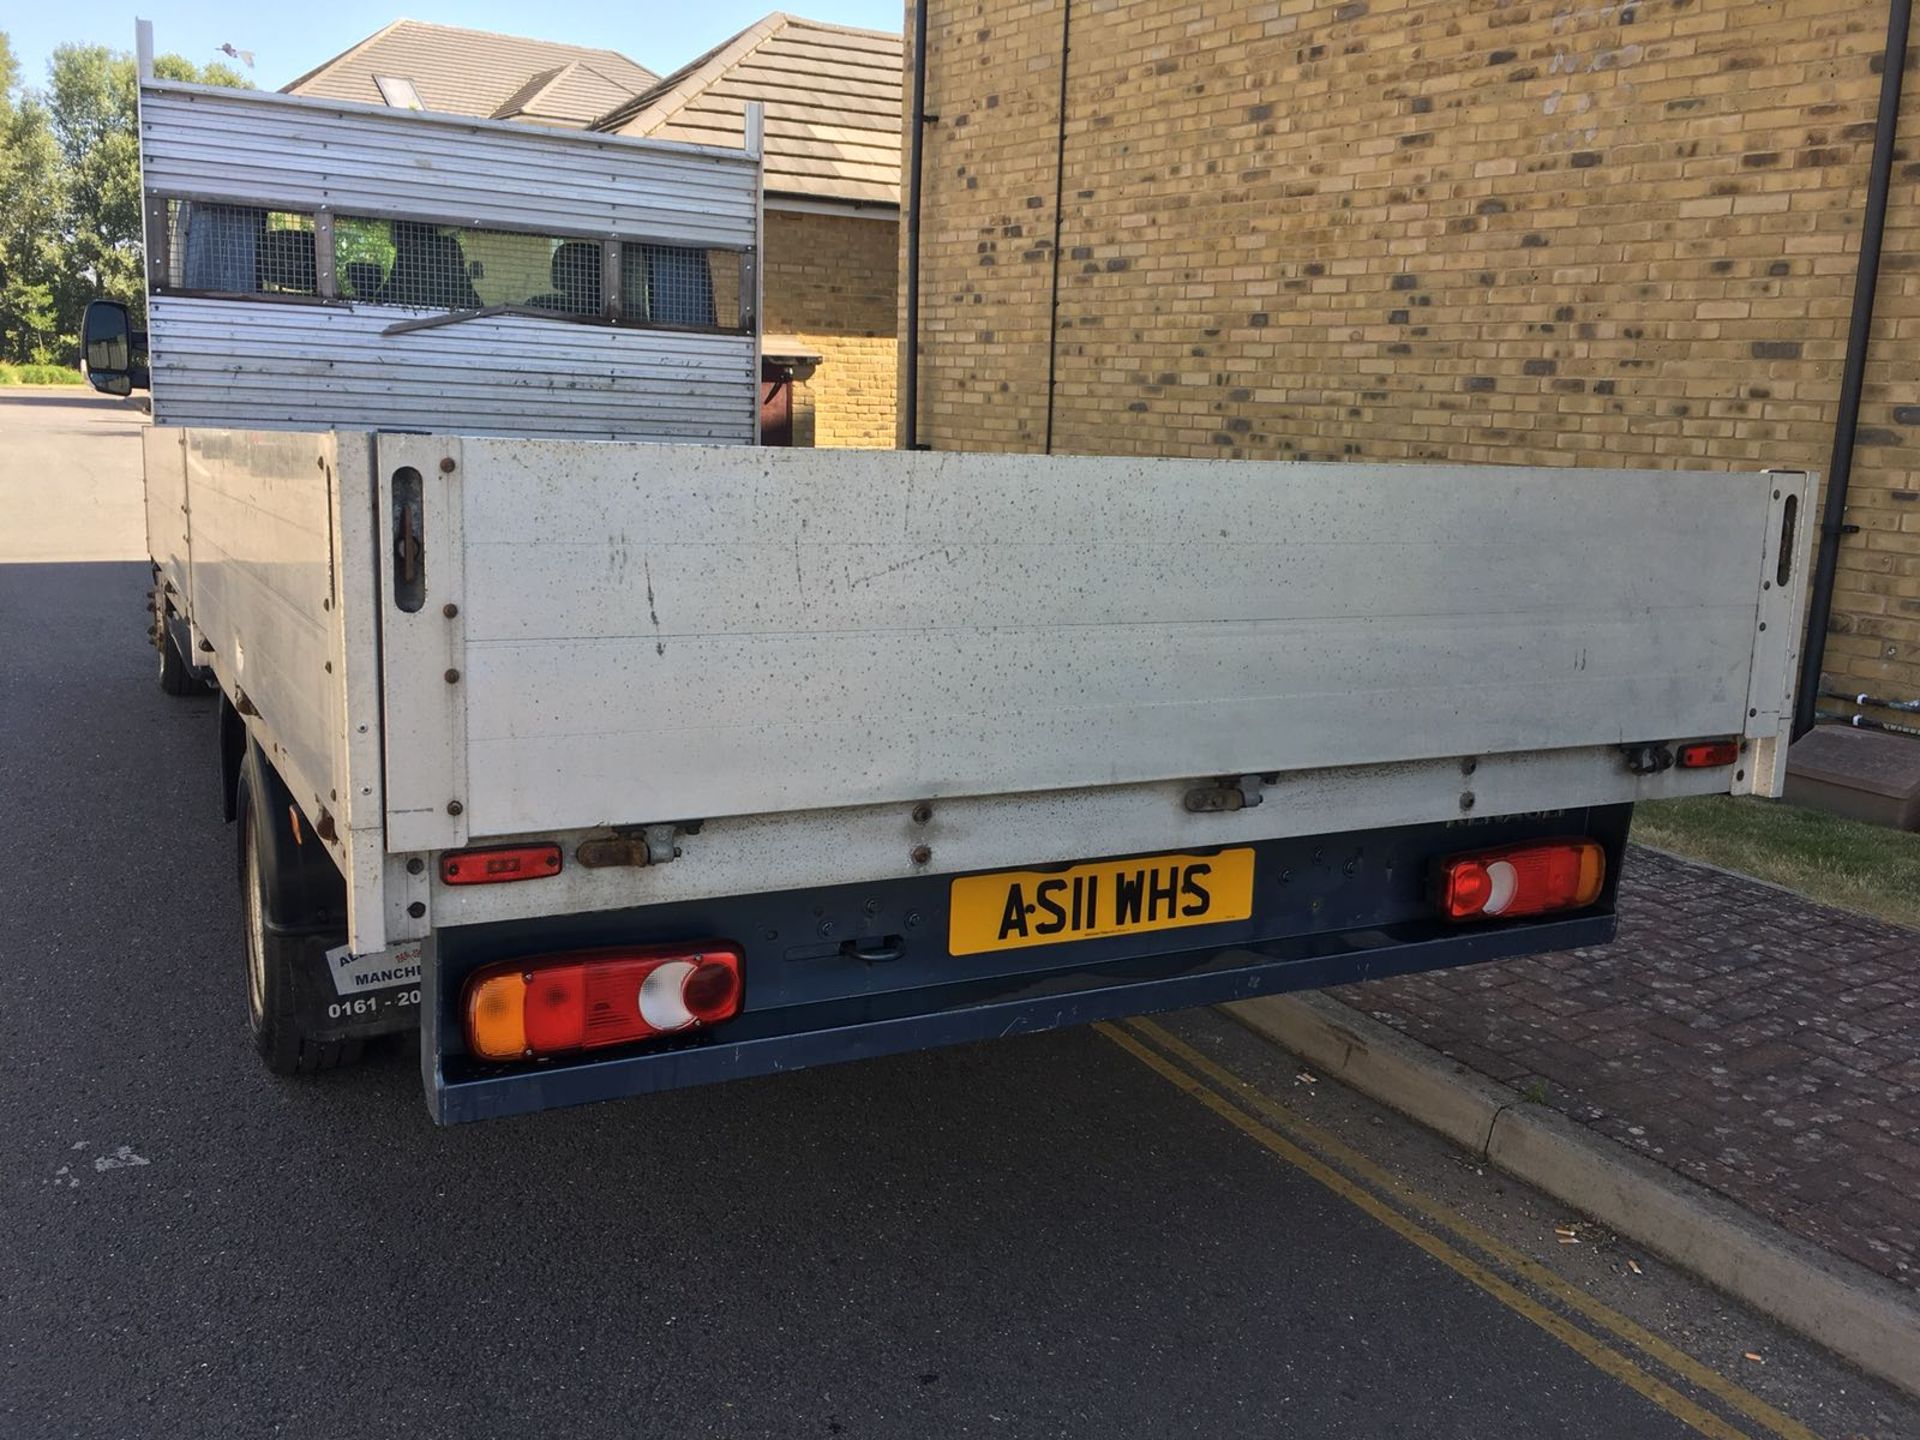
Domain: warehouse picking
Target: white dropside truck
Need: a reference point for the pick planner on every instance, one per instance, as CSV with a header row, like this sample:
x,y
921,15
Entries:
x,y
612,765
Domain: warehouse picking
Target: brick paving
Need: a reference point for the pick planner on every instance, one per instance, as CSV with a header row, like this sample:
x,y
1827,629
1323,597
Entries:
x,y
1762,1045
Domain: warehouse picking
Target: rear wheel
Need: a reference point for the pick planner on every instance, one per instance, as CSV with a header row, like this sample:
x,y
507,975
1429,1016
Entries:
x,y
277,962
177,677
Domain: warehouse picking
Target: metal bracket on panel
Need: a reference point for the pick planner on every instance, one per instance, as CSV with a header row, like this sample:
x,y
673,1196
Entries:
x,y
159,237
1650,759
1785,562
326,280
409,892
1242,793
634,848
423,640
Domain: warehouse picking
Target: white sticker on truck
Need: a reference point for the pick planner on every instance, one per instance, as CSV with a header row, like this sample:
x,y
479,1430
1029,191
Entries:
x,y
378,970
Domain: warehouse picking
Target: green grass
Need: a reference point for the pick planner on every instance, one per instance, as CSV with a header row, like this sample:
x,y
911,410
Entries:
x,y
1835,861
11,374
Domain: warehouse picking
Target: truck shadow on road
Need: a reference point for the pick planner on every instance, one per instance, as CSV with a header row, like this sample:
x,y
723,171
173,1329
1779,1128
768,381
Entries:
x,y
78,398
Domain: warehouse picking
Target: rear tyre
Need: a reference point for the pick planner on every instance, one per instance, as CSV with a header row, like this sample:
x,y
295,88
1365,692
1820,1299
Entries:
x,y
176,675
274,960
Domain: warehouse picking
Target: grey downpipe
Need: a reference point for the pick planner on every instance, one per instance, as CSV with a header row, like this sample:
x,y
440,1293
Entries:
x,y
1833,520
911,381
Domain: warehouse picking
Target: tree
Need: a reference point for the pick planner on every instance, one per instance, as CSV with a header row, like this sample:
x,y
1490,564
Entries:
x,y
70,219
30,222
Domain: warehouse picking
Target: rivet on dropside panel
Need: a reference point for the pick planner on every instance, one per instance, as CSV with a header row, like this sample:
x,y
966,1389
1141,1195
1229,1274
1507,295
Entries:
x,y
1469,765
1466,800
922,813
206,646
415,865
450,610
921,854
446,464
454,807
417,908
453,677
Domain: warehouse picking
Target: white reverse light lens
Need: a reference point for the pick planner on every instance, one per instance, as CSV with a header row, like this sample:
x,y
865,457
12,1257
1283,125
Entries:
x,y
661,1004
1504,881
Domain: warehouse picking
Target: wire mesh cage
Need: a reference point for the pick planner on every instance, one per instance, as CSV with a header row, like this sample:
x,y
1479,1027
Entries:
x,y
673,285
421,265
240,249
406,262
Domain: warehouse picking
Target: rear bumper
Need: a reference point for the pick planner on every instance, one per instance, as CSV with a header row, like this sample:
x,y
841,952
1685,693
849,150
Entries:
x,y
1329,910
1214,977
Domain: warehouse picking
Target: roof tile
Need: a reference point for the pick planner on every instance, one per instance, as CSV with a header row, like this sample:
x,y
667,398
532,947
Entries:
x,y
832,98
476,72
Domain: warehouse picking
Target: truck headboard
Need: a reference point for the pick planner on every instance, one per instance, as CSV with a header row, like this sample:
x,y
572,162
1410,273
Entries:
x,y
320,265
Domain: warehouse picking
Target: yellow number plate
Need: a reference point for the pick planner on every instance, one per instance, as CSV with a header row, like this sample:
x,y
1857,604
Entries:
x,y
1109,897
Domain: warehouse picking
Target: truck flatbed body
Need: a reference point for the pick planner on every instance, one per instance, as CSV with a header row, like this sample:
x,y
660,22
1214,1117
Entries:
x,y
759,673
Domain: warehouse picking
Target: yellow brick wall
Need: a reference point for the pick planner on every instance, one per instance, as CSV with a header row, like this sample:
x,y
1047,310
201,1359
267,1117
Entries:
x,y
833,281
1556,233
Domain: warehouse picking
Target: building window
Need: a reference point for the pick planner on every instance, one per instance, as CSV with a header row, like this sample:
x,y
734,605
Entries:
x,y
398,92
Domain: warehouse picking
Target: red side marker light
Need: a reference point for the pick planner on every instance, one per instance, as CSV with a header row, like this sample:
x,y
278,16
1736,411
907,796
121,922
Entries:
x,y
1707,754
521,1009
499,864
1535,878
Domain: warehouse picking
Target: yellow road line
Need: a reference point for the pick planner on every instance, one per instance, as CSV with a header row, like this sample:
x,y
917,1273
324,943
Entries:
x,y
1593,1350
1682,1364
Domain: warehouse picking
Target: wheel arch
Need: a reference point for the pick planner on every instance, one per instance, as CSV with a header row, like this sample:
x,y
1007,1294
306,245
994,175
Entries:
x,y
233,757
301,887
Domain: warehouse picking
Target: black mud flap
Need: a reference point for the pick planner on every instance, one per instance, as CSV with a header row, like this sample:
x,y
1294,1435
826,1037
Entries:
x,y
342,996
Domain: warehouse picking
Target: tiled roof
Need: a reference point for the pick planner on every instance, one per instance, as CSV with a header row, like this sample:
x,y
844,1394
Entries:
x,y
832,98
567,95
475,72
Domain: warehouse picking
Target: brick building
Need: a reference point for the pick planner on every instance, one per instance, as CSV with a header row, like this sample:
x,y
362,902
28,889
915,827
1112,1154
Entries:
x,y
830,283
1549,233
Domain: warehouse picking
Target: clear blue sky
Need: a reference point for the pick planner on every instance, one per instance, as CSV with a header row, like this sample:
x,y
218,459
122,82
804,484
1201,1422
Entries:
x,y
289,39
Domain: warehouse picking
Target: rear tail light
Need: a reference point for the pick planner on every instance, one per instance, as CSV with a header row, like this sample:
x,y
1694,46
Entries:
x,y
1531,879
584,1000
499,864
1708,754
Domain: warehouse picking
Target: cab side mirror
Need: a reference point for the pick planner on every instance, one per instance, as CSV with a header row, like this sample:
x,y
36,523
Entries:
x,y
109,348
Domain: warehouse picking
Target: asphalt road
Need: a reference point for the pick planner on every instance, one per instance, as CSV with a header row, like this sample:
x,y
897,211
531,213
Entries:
x,y
66,457
1080,1234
